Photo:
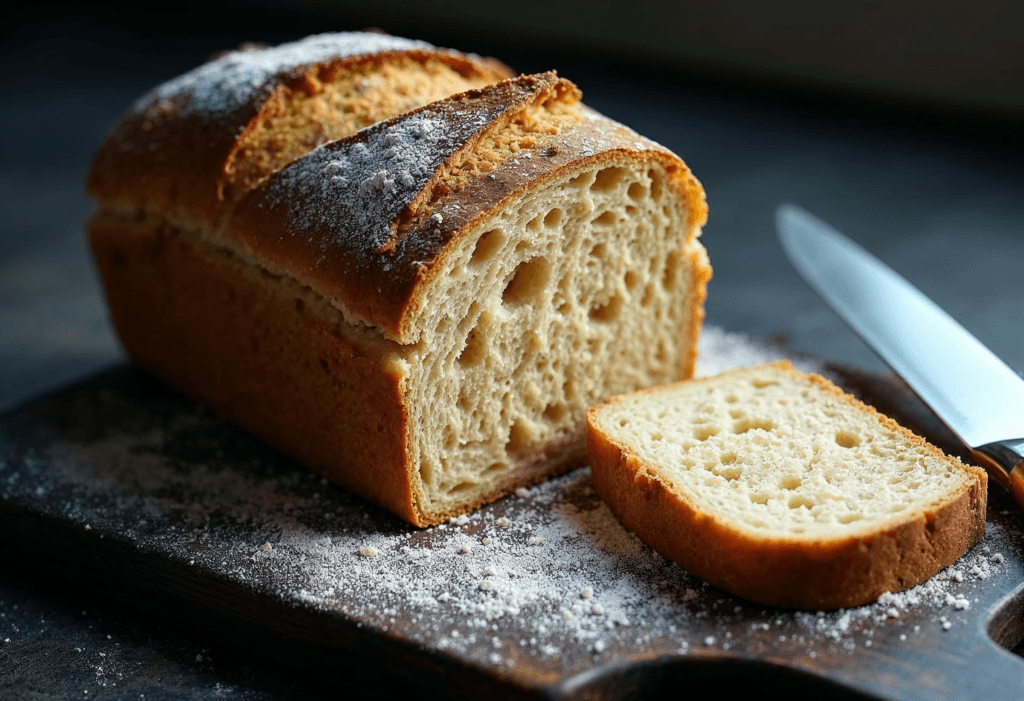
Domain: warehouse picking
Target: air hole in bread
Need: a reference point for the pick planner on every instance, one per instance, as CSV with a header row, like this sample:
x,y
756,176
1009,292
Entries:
x,y
325,366
598,251
790,482
732,399
475,350
462,487
636,191
656,184
631,210
846,439
535,223
569,390
796,501
661,355
528,282
631,279
736,413
487,246
607,312
494,467
850,518
300,306
583,180
759,498
657,436
727,458
671,274
705,432
519,437
761,383
553,218
648,296
731,473
554,412
608,179
744,425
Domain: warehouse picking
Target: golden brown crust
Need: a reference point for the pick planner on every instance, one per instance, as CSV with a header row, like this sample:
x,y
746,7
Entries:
x,y
265,359
702,273
800,572
170,152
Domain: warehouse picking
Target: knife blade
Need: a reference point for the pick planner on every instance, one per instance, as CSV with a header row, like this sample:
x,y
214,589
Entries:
x,y
967,386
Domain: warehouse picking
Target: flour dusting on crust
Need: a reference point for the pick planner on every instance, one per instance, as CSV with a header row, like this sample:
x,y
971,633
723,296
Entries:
x,y
239,79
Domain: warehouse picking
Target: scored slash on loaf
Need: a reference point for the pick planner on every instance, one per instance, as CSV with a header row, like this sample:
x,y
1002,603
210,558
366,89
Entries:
x,y
400,264
778,487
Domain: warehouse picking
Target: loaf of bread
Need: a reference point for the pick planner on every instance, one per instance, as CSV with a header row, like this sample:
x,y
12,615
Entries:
x,y
402,265
780,488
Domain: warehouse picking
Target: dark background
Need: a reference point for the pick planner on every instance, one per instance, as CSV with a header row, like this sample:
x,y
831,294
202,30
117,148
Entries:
x,y
900,123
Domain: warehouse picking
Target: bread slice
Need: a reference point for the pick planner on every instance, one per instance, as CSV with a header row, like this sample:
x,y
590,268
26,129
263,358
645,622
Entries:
x,y
780,488
421,303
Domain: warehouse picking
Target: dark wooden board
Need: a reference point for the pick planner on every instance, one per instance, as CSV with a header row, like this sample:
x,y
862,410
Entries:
x,y
120,483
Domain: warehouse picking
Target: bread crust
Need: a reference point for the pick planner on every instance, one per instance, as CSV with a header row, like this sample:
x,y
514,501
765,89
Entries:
x,y
794,571
266,359
170,152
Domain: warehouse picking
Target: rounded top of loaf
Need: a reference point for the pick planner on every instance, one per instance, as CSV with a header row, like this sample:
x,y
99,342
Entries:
x,y
388,203
172,151
356,163
230,83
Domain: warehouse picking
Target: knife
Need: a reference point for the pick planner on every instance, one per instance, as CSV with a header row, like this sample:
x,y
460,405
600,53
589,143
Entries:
x,y
970,389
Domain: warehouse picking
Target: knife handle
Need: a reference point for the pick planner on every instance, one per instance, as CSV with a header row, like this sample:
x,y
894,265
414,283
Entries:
x,y
1004,461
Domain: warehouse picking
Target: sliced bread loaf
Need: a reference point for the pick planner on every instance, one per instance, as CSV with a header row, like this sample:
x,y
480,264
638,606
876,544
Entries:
x,y
778,487
395,264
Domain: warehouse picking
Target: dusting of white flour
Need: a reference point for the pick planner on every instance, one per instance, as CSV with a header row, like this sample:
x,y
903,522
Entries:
x,y
547,574
233,82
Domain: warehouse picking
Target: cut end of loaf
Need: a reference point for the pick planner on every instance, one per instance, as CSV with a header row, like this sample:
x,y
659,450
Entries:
x,y
777,486
581,290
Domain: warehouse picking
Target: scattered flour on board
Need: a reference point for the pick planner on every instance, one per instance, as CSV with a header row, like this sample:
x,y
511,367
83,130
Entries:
x,y
551,576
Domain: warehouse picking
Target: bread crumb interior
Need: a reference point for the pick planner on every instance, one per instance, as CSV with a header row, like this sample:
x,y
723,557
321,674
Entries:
x,y
578,291
780,456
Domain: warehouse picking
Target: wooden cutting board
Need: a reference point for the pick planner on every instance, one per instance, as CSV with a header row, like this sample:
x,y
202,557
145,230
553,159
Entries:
x,y
131,487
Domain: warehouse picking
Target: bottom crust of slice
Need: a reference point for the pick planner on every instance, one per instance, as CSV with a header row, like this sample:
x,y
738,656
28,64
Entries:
x,y
804,573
